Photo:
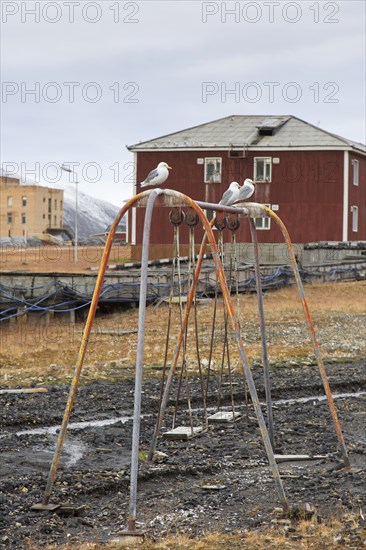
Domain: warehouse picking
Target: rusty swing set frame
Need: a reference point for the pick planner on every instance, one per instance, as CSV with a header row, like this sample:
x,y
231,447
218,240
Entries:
x,y
171,198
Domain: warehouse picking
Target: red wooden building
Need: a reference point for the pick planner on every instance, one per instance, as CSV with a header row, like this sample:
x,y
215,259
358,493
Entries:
x,y
314,180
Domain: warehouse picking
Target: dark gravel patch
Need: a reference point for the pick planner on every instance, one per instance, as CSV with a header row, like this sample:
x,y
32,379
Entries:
x,y
217,481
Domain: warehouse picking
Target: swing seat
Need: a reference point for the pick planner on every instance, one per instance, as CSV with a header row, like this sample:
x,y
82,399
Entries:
x,y
183,433
223,417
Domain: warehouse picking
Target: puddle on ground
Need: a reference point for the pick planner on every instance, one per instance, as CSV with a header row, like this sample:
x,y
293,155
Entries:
x,y
123,419
51,430
73,449
317,398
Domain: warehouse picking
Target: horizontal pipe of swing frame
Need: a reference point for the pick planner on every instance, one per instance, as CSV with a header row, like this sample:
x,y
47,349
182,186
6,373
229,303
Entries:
x,y
250,210
222,208
172,199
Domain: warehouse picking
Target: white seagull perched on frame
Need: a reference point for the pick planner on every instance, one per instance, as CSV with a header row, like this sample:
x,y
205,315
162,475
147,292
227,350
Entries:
x,y
157,176
231,195
246,190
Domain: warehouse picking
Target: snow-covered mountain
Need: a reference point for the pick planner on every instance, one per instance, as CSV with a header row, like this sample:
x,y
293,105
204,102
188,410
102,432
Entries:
x,y
94,215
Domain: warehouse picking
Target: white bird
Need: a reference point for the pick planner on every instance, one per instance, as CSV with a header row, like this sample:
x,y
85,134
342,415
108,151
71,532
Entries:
x,y
231,195
246,190
157,176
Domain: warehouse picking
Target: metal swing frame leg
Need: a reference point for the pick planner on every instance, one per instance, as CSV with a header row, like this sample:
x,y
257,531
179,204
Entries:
x,y
319,359
45,504
131,528
267,380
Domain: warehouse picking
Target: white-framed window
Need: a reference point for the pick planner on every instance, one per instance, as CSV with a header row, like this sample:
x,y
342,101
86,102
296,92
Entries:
x,y
263,223
24,218
10,217
24,200
10,201
263,169
354,210
356,171
213,169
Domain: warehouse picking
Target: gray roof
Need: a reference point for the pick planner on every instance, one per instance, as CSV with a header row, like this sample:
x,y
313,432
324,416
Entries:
x,y
238,131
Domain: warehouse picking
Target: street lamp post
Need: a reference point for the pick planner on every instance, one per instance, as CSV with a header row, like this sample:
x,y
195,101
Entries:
x,y
67,169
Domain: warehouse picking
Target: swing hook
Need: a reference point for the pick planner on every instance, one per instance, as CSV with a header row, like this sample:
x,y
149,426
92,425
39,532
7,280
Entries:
x,y
176,216
220,221
233,222
191,217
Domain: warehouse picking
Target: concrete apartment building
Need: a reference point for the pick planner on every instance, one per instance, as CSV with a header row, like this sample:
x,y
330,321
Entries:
x,y
27,210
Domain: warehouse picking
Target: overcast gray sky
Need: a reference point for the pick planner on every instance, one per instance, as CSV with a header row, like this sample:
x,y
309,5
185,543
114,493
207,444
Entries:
x,y
81,79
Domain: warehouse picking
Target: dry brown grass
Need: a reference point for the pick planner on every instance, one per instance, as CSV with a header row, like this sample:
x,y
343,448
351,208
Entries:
x,y
60,259
305,535
44,354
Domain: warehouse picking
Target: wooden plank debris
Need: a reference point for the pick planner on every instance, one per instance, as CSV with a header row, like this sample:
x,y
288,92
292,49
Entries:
x,y
297,458
213,487
24,390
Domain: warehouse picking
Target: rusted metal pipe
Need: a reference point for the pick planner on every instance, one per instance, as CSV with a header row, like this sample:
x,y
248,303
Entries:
x,y
267,380
221,208
314,339
83,347
140,360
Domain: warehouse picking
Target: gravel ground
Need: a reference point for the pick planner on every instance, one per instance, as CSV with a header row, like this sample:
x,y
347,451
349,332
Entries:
x,y
218,481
